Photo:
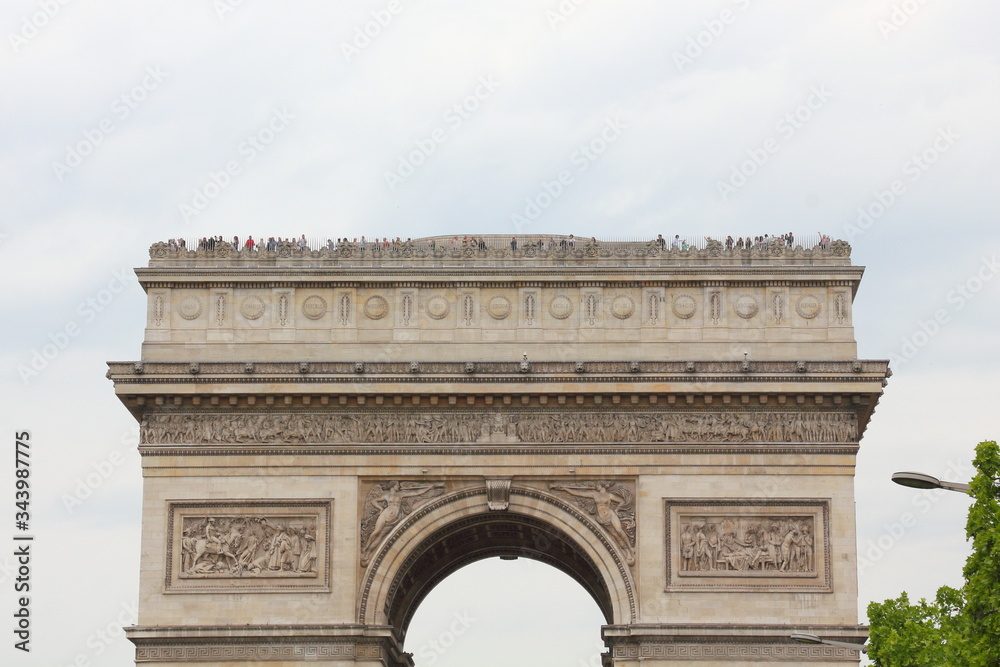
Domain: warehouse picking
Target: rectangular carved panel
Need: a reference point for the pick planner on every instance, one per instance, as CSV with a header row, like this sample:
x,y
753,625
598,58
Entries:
x,y
747,545
248,546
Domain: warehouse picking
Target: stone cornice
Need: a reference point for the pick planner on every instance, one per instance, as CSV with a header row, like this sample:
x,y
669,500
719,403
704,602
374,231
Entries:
x,y
505,371
500,450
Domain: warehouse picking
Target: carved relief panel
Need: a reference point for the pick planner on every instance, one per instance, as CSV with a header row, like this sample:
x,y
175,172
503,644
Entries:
x,y
747,545
248,546
499,427
387,503
611,503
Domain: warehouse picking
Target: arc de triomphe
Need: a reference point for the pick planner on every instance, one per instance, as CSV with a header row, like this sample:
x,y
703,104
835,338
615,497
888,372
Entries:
x,y
327,434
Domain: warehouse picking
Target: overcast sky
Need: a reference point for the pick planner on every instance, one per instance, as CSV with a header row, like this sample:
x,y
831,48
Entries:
x,y
126,123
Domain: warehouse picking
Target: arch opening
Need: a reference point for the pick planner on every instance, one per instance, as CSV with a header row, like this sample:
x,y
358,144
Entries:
x,y
483,536
495,613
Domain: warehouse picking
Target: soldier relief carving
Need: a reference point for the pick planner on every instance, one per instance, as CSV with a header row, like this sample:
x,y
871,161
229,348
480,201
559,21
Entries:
x,y
771,544
386,505
487,427
612,504
248,546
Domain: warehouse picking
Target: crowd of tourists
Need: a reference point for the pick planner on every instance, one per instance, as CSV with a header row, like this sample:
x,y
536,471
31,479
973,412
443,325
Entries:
x,y
210,243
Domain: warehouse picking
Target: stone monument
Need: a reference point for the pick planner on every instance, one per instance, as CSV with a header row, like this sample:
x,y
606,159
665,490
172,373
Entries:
x,y
327,434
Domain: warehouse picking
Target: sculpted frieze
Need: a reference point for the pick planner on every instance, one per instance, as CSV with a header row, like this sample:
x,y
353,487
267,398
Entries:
x,y
747,544
248,545
499,427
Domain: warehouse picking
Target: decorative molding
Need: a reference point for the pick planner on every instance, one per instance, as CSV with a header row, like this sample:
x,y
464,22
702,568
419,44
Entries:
x,y
590,302
840,307
190,308
498,307
715,306
252,308
227,645
158,310
532,426
468,309
654,370
376,307
314,307
438,308
497,493
284,309
437,504
622,307
221,308
684,306
345,309
248,546
407,308
763,653
746,306
561,307
808,306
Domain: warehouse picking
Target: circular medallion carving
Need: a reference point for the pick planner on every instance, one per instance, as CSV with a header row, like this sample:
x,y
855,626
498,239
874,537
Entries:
x,y
746,307
684,306
438,307
190,308
499,307
252,307
561,307
622,307
808,306
314,307
376,307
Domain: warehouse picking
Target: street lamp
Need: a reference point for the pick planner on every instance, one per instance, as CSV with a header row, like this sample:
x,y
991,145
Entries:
x,y
917,480
806,638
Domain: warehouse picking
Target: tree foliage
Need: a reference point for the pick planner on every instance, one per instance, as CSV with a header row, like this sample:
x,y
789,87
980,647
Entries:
x,y
960,626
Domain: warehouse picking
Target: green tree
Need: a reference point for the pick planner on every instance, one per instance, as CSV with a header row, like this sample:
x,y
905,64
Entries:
x,y
960,627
